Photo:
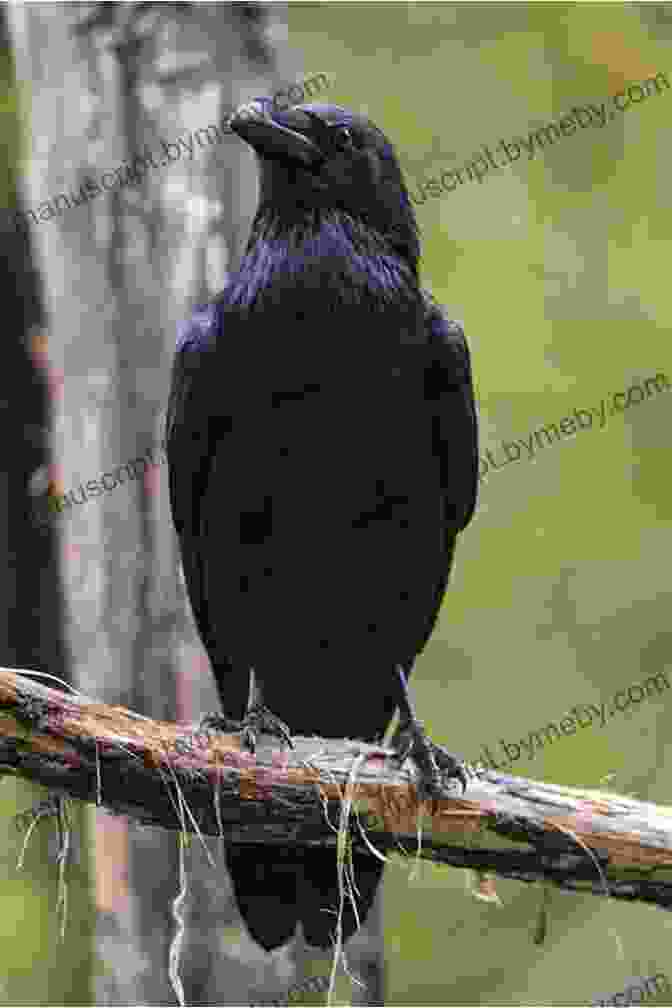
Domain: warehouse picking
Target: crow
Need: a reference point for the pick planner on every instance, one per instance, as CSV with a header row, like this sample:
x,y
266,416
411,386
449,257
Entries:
x,y
321,437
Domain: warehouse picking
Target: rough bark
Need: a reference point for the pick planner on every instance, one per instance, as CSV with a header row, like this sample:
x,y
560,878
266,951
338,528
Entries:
x,y
28,571
31,602
107,82
169,775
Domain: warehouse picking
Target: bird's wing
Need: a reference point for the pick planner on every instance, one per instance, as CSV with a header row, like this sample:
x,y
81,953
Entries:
x,y
456,424
191,435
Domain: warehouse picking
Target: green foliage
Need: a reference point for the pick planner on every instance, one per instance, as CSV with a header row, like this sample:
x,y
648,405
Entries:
x,y
37,967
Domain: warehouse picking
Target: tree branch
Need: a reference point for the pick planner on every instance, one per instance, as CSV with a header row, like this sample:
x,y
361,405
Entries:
x,y
166,775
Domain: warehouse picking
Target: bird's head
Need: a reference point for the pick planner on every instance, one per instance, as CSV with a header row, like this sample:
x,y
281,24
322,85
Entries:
x,y
325,158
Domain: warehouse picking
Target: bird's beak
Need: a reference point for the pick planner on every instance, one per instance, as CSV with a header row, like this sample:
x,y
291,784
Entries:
x,y
274,133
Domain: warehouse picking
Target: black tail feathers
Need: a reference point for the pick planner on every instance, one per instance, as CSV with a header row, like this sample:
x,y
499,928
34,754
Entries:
x,y
319,899
265,886
278,887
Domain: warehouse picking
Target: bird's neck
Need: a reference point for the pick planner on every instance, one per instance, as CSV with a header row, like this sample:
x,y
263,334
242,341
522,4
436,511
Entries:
x,y
329,251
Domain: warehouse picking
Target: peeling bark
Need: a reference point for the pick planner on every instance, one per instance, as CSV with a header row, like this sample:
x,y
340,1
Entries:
x,y
170,775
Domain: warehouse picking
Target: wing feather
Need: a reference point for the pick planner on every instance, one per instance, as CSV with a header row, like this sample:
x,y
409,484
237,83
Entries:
x,y
456,424
193,427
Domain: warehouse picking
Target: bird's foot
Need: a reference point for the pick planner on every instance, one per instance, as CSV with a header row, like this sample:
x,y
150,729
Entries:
x,y
433,761
199,732
259,720
219,722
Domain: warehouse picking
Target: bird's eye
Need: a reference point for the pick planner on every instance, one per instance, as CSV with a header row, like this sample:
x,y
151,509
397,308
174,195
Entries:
x,y
342,137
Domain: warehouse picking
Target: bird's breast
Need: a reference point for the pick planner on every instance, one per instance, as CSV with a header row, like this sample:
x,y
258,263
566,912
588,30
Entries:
x,y
324,507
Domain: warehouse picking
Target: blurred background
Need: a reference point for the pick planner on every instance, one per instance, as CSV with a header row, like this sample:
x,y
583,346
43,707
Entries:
x,y
560,595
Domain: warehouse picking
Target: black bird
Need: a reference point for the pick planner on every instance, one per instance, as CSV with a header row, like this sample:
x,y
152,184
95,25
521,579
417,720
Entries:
x,y
322,450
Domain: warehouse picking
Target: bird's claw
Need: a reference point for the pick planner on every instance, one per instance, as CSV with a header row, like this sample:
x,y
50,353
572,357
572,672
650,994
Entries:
x,y
259,720
202,729
218,722
433,761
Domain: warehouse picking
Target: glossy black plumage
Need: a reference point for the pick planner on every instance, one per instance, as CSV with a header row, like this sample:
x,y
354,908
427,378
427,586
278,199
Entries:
x,y
322,448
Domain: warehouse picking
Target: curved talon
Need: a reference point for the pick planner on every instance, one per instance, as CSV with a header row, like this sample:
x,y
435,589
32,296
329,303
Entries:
x,y
218,722
259,720
455,767
433,761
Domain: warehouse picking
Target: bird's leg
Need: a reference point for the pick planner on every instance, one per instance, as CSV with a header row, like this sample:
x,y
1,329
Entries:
x,y
258,720
411,739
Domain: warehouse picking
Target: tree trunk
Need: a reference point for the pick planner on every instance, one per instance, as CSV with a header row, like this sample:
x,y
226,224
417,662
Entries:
x,y
31,603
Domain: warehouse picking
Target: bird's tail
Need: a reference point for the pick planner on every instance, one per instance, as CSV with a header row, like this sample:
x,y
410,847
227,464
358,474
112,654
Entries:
x,y
278,887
